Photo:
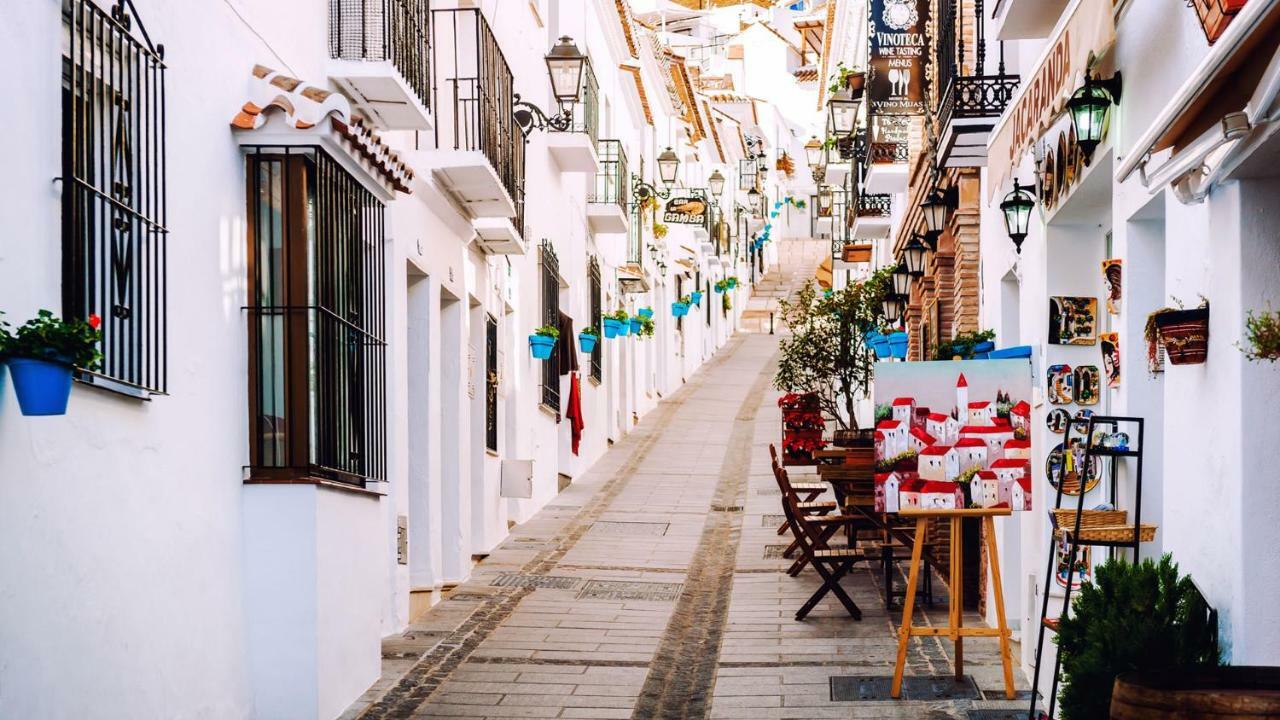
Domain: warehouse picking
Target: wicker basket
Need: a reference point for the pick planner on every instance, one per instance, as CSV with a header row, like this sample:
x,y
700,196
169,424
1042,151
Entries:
x,y
1115,533
1065,518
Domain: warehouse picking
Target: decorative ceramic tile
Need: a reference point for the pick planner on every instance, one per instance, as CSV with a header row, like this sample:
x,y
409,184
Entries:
x,y
1071,483
1073,320
1088,384
774,552
1110,345
1057,420
1061,385
1113,275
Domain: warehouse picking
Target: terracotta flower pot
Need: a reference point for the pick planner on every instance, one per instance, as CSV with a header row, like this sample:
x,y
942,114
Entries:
x,y
1185,334
855,81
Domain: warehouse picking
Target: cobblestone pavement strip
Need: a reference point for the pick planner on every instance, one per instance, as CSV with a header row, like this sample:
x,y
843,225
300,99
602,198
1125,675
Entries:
x,y
687,614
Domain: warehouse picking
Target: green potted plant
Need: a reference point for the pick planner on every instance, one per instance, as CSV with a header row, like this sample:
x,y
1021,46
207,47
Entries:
x,y
588,338
967,345
846,77
646,326
680,308
1262,333
659,230
542,341
1130,617
42,354
622,322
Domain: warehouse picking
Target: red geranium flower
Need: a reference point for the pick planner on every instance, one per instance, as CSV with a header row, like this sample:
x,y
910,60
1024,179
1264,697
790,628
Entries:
x,y
95,322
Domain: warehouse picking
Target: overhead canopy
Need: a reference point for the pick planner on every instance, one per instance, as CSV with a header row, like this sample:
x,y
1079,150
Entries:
x,y
1088,30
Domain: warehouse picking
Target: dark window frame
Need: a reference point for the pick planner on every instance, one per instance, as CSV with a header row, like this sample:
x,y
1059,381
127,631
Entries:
x,y
595,287
491,383
550,266
114,206
316,320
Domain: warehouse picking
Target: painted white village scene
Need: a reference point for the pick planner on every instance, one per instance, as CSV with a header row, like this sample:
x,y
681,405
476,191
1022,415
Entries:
x,y
953,435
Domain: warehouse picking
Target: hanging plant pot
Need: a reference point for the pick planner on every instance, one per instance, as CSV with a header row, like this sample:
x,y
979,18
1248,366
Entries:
x,y
645,312
898,345
43,387
541,346
855,81
872,338
587,342
1185,334
733,283
881,346
696,296
679,309
624,328
610,328
635,324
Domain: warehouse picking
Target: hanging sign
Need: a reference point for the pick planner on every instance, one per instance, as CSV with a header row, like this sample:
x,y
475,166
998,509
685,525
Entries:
x,y
685,211
895,77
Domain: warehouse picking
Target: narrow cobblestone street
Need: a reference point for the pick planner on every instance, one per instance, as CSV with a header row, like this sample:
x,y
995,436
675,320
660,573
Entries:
x,y
653,587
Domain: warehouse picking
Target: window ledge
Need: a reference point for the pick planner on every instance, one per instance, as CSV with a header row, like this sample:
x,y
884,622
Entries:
x,y
595,380
374,492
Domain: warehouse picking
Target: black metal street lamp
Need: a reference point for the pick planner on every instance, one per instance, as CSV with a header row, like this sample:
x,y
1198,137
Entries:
x,y
753,200
935,209
843,111
668,164
716,183
825,200
892,308
813,152
1017,207
901,280
1088,108
913,254
565,64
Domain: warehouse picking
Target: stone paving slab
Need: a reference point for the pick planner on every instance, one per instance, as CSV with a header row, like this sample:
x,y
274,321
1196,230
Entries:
x,y
653,587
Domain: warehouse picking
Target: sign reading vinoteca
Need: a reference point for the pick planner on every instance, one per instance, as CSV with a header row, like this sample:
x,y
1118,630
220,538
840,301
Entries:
x,y
895,79
685,211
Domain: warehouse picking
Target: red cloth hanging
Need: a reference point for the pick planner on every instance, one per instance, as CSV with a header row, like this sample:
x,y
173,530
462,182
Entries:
x,y
574,411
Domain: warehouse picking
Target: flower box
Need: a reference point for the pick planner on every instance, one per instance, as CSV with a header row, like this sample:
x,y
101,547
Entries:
x,y
635,324
696,297
645,312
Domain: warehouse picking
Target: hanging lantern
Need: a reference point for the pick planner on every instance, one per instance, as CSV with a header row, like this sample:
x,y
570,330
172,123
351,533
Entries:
x,y
565,63
813,151
1088,108
935,209
753,200
668,164
843,113
892,307
913,254
825,198
1017,207
716,182
901,280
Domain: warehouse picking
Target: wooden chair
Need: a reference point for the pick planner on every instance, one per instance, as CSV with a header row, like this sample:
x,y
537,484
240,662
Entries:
x,y
830,525
810,491
807,504
831,563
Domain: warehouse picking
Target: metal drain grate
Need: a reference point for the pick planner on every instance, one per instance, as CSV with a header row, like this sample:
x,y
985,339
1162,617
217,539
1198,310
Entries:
x,y
607,527
997,715
774,552
622,590
772,521
726,508
535,581
855,688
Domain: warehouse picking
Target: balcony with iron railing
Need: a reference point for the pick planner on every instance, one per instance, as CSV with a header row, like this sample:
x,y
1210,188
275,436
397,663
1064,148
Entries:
x,y
872,216
573,146
480,150
381,52
607,205
970,100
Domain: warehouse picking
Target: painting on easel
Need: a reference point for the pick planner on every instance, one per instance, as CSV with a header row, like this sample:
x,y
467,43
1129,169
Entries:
x,y
953,435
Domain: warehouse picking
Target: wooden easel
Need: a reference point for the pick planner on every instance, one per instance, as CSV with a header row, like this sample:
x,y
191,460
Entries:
x,y
955,626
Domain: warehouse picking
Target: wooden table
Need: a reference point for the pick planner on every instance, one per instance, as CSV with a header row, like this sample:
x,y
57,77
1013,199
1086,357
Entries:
x,y
955,625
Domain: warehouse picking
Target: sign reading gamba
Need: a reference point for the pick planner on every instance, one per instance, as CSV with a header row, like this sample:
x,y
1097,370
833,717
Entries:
x,y
685,211
898,43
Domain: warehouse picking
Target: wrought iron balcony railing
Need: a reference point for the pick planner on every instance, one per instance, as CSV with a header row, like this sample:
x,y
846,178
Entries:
x,y
612,180
875,205
586,112
377,30
976,97
881,153
475,93
967,90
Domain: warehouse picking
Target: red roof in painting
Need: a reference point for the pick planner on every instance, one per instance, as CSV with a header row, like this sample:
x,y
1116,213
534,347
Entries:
x,y
1011,463
987,475
922,436
985,429
881,477
888,425
979,405
938,417
1021,408
879,435
939,486
1017,444
962,382
936,450
971,442
912,485
1025,483
1002,422
899,402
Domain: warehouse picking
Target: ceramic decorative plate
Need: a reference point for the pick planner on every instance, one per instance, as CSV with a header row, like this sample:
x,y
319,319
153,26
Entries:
x,y
1061,384
1080,426
1071,486
1057,420
1088,382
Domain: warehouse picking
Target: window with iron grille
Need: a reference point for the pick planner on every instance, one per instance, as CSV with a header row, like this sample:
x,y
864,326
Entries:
x,y
551,316
597,318
114,234
679,296
316,320
491,383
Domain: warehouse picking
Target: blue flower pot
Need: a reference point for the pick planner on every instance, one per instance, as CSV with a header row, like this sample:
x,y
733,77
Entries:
x,y
42,387
982,350
611,328
872,338
635,325
587,342
696,297
733,283
1020,351
881,346
624,328
898,345
645,312
541,346
679,309
719,289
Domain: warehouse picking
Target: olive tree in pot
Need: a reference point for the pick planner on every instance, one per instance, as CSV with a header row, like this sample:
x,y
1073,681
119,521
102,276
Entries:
x,y
826,352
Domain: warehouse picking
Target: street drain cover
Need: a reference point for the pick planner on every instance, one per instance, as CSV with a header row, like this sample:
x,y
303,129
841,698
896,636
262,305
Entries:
x,y
535,581
621,590
774,552
854,688
772,520
609,527
997,715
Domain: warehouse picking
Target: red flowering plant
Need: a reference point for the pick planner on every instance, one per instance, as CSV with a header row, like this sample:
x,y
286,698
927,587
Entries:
x,y
798,401
46,337
803,420
795,444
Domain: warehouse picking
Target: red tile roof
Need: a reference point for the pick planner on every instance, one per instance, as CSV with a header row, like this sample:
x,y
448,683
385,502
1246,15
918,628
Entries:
x,y
888,424
1011,463
940,486
923,436
1017,444
899,402
971,442
987,475
938,417
1021,408
979,405
936,450
984,429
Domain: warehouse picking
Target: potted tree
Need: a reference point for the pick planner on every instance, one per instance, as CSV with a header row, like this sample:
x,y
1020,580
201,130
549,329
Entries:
x,y
542,341
1262,333
588,338
42,355
1183,333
